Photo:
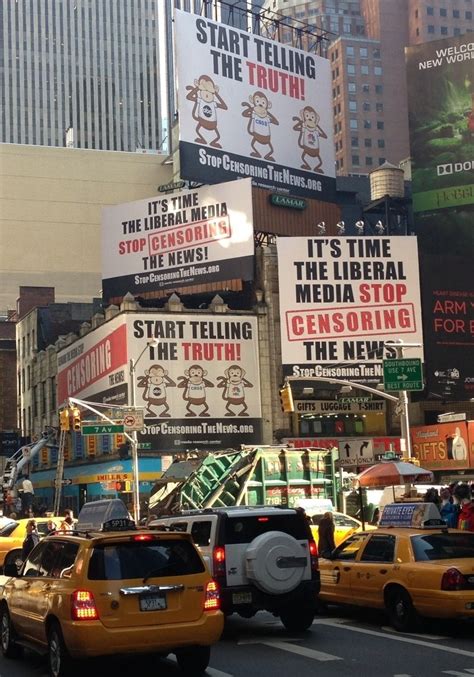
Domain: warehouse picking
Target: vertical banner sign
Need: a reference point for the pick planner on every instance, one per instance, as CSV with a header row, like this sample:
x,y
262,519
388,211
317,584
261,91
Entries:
x,y
191,237
441,117
341,299
448,309
201,386
252,107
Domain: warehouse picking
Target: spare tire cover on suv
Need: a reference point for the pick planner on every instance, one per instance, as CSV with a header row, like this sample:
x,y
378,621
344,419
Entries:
x,y
276,562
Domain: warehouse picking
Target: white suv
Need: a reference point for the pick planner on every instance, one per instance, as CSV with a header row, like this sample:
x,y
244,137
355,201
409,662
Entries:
x,y
264,558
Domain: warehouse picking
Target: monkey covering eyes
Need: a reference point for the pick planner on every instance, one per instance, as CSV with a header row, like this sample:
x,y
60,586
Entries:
x,y
234,385
307,124
207,100
260,119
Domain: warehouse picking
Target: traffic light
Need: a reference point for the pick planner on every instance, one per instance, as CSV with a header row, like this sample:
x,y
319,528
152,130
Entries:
x,y
64,419
286,399
76,420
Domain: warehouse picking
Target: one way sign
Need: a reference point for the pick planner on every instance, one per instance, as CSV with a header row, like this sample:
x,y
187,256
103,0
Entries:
x,y
356,451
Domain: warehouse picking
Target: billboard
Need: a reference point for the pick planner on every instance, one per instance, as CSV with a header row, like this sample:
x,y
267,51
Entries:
x,y
341,299
441,119
200,386
444,446
187,238
252,107
448,309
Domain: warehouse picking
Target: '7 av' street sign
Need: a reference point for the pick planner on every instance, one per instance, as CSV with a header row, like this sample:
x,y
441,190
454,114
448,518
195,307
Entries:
x,y
402,374
106,429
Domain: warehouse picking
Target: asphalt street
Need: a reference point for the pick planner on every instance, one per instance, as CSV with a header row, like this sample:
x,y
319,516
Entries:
x,y
343,643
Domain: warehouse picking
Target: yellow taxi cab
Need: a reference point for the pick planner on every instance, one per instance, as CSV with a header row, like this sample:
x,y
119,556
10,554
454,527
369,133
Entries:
x,y
344,526
109,590
412,565
13,534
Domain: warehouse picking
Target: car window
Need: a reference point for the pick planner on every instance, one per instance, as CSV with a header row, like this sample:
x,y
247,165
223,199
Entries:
x,y
140,559
32,565
380,548
245,529
201,532
443,546
179,526
8,529
58,559
345,521
349,549
42,528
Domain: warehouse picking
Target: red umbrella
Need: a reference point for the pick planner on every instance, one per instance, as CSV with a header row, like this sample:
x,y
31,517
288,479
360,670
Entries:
x,y
388,473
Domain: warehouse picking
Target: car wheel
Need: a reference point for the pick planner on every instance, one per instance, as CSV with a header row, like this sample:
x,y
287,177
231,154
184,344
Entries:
x,y
14,557
9,648
59,660
297,620
194,660
401,611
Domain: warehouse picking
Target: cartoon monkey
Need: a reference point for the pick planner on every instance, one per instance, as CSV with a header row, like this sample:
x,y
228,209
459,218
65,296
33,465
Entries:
x,y
154,385
307,124
195,385
260,119
234,385
207,100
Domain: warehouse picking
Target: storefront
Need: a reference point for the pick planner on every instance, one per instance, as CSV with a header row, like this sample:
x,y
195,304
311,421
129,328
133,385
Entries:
x,y
447,449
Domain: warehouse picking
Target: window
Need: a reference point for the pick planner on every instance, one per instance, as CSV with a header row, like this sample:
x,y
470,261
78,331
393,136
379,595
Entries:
x,y
333,93
417,32
381,143
376,53
364,70
353,124
457,31
351,87
366,89
338,90
469,15
380,124
431,29
443,12
354,141
366,106
381,160
353,106
144,559
379,89
245,529
367,124
379,549
444,30
379,107
368,143
430,11
351,69
201,533
416,14
179,526
369,161
350,51
355,160
349,549
363,52
338,107
377,70
33,563
456,14
443,546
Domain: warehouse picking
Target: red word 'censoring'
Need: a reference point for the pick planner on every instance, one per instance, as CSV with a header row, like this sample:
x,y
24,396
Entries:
x,y
190,236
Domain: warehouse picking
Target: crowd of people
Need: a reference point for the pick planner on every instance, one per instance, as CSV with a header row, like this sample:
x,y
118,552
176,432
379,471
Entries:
x,y
455,504
32,536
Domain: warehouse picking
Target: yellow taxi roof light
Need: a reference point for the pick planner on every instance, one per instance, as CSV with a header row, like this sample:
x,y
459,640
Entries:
x,y
411,515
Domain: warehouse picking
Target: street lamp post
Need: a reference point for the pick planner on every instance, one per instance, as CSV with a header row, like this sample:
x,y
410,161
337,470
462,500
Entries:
x,y
134,435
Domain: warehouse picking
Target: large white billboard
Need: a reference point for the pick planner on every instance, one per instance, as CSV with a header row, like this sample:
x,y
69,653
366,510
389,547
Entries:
x,y
249,106
341,299
177,240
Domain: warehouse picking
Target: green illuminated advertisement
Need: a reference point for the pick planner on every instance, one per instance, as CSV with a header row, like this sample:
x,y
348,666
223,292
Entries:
x,y
440,78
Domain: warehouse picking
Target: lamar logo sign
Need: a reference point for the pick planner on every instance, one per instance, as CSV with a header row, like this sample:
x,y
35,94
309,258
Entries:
x,y
455,167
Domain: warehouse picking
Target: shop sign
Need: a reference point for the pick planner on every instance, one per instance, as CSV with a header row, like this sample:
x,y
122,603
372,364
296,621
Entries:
x,y
278,200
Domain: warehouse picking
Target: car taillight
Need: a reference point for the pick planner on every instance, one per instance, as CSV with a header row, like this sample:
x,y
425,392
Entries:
x,y
453,580
212,601
218,557
143,537
83,606
313,553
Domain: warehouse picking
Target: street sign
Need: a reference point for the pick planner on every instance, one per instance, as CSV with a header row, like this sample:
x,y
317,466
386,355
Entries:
x,y
402,374
102,429
354,452
144,445
66,482
133,419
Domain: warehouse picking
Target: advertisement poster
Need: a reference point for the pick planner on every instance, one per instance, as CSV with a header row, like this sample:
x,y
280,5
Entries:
x,y
441,118
187,238
341,299
252,107
448,308
201,386
444,446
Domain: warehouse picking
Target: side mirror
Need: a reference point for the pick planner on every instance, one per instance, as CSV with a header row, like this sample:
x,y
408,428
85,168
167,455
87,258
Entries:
x,y
10,570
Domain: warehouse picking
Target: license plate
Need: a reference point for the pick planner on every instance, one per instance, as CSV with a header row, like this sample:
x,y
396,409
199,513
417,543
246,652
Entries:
x,y
152,602
241,597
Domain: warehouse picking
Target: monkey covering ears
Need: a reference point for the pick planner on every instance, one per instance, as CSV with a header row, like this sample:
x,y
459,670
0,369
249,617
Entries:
x,y
195,385
309,132
234,385
260,119
154,385
207,100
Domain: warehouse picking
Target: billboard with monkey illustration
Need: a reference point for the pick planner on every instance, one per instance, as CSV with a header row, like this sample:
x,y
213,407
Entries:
x,y
252,107
199,387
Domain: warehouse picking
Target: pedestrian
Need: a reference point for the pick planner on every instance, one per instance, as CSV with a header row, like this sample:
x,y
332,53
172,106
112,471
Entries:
x,y
466,512
68,522
448,510
432,496
375,517
27,496
51,527
31,539
326,529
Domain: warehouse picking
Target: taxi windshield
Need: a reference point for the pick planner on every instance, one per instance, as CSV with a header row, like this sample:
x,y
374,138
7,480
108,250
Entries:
x,y
8,529
443,546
